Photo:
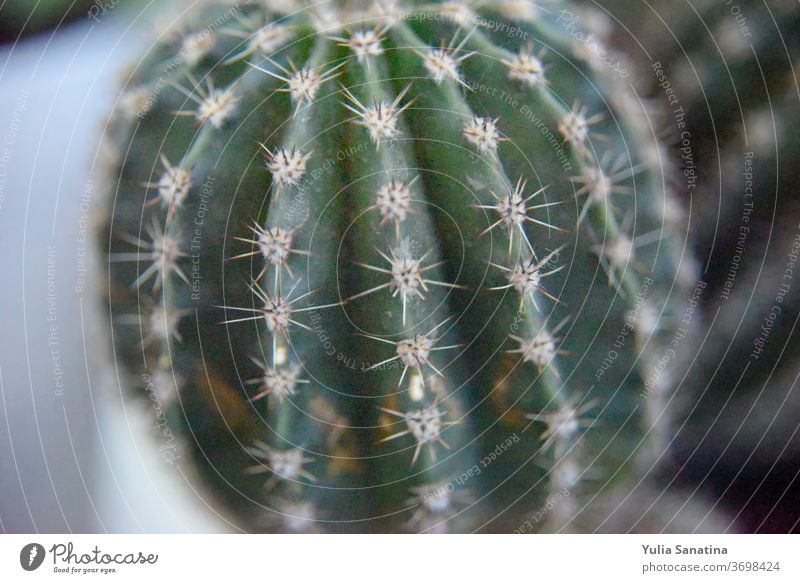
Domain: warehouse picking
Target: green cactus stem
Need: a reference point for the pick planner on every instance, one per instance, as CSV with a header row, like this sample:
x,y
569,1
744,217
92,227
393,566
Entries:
x,y
397,267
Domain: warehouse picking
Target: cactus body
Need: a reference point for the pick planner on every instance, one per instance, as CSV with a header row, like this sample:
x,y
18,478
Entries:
x,y
744,109
731,71
395,267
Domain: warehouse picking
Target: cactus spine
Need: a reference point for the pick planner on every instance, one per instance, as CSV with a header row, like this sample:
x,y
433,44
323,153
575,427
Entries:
x,y
396,267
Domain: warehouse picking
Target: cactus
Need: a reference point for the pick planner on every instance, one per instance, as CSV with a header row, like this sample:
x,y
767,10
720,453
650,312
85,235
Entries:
x,y
732,68
394,267
18,17
746,123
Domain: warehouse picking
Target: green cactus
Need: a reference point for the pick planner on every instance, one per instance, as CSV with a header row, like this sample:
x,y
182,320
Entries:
x,y
18,17
732,68
394,267
746,124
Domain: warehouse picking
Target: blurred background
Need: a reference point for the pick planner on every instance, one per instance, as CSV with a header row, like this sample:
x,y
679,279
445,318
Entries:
x,y
70,458
72,455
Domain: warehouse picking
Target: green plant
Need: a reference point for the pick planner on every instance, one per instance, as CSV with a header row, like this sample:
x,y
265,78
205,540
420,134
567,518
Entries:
x,y
20,17
727,71
395,267
730,69
744,103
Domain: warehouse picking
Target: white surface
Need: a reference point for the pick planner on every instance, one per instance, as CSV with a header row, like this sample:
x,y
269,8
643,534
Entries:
x,y
68,462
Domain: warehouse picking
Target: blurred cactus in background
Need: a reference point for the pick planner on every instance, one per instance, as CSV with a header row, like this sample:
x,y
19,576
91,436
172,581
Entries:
x,y
22,17
728,71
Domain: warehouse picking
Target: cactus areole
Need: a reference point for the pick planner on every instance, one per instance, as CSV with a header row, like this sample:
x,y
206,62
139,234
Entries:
x,y
393,266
